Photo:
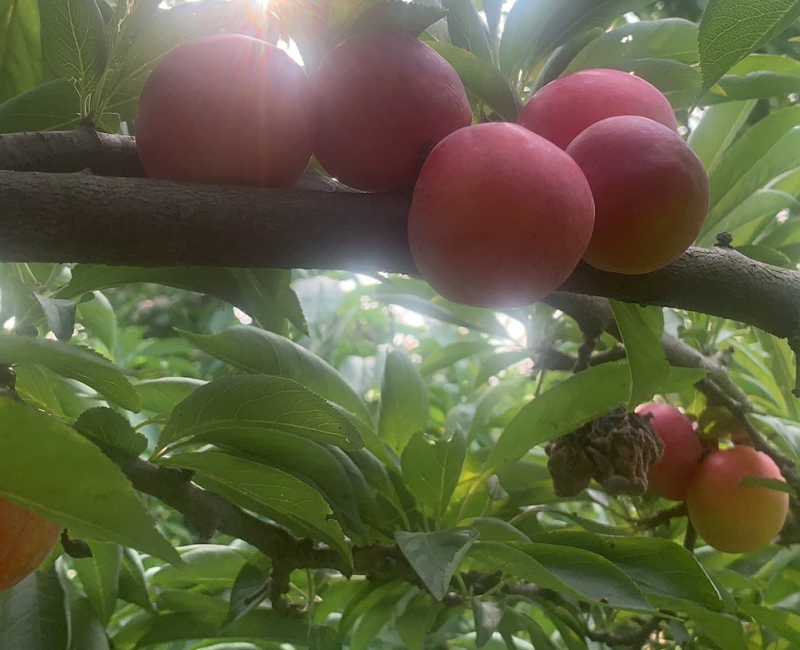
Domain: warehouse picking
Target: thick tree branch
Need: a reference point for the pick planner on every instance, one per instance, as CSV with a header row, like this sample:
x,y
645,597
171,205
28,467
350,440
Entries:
x,y
139,222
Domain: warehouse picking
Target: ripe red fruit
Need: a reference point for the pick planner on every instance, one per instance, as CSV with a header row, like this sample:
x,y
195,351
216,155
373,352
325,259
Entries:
x,y
383,101
650,192
226,109
25,541
732,517
569,105
499,217
673,473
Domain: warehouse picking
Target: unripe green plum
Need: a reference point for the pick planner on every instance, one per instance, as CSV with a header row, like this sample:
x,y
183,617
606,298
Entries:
x,y
650,191
731,517
567,106
25,541
383,101
671,476
229,110
499,216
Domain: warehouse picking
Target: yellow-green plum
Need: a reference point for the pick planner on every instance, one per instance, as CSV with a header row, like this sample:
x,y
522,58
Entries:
x,y
25,541
732,517
226,109
383,101
499,216
567,106
650,191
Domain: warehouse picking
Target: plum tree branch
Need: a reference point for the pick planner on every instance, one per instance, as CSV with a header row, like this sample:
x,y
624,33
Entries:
x,y
77,217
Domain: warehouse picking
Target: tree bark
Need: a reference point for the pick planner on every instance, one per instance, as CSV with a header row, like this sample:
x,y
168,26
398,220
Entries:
x,y
79,217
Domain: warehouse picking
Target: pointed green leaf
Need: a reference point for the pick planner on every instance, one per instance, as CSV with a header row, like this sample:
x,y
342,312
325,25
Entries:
x,y
641,329
262,352
731,29
53,106
267,491
51,469
431,468
164,394
572,570
72,361
660,567
242,402
113,429
20,48
436,556
99,576
33,614
404,401
74,41
482,79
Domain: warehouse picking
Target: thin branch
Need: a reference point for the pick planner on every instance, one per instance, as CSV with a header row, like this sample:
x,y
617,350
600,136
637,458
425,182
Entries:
x,y
663,517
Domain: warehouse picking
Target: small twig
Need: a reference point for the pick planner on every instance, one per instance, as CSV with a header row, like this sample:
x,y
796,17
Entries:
x,y
634,638
583,361
663,517
690,538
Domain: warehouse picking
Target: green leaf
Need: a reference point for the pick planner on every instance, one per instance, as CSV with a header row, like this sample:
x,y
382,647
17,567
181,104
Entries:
x,y
60,315
35,386
87,632
259,402
482,79
487,614
784,623
567,570
51,469
641,329
162,395
410,18
446,356
212,567
315,464
142,35
132,580
54,106
759,76
111,428
731,29
673,38
436,556
99,576
75,42
763,152
467,29
261,352
20,49
404,401
97,315
660,567
431,468
769,484
259,293
717,129
533,28
568,405
75,362
33,613
761,203
267,491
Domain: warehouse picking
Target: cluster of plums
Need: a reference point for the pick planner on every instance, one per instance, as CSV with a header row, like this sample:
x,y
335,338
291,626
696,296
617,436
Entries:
x,y
729,515
501,213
